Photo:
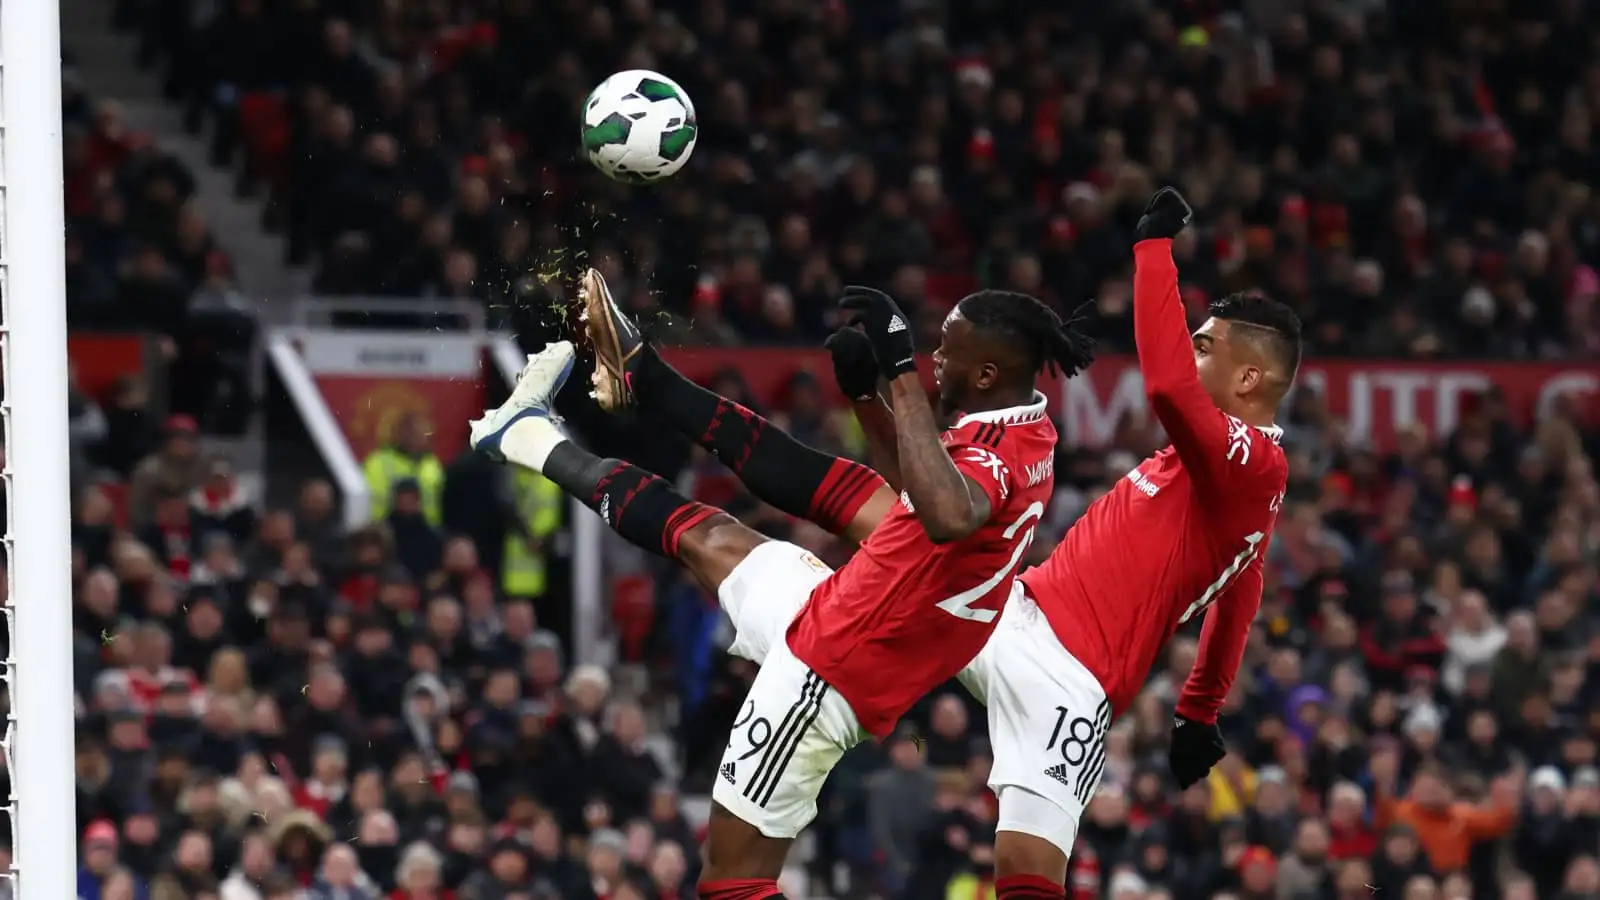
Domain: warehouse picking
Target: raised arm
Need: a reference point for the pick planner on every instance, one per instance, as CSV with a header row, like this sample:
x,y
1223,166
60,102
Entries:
x,y
1206,439
856,371
883,450
949,504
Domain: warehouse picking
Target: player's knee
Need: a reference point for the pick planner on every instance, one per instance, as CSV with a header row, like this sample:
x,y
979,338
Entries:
x,y
1017,854
1034,835
735,849
713,548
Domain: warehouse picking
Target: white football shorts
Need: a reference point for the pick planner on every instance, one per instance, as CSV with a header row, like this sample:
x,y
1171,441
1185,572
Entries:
x,y
793,727
1048,719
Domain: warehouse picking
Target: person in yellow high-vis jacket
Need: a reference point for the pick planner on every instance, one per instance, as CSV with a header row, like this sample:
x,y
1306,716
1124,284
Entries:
x,y
978,882
538,515
409,455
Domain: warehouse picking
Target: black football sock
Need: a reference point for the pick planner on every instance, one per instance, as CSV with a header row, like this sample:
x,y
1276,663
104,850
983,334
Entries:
x,y
778,469
639,505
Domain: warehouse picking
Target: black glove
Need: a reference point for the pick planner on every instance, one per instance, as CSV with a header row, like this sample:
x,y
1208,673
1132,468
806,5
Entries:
x,y
1164,216
885,326
854,366
1196,747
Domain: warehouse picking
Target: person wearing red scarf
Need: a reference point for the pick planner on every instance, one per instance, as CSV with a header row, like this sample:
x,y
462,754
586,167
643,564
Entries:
x,y
327,783
218,504
152,673
1350,833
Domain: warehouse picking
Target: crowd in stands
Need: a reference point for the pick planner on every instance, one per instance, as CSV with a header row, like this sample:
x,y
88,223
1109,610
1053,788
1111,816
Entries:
x,y
273,709
1413,177
141,256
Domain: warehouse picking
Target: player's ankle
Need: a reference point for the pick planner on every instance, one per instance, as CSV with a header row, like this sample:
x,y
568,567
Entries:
x,y
529,442
649,370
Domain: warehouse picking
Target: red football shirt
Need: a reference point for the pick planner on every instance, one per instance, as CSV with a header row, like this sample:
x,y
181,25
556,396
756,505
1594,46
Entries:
x,y
1184,532
906,614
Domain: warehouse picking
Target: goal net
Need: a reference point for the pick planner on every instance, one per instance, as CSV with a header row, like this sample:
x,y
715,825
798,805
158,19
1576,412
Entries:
x,y
40,860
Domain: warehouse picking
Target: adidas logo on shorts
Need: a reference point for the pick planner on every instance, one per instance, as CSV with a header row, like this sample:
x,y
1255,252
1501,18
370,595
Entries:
x,y
1061,773
727,773
896,324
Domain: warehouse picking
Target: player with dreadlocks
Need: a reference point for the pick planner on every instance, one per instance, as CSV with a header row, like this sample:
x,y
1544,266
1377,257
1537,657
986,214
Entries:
x,y
1044,343
920,597
1182,533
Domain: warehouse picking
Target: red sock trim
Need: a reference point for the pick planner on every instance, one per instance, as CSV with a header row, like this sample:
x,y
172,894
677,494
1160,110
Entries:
x,y
739,889
844,490
684,519
1028,887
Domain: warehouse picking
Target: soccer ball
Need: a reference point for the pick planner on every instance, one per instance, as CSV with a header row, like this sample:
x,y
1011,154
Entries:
x,y
638,126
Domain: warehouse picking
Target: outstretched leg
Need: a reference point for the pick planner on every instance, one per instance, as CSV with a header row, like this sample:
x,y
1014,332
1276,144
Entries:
x,y
744,861
841,496
640,506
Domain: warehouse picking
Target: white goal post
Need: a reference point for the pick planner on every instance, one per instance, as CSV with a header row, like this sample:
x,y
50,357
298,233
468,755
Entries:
x,y
38,612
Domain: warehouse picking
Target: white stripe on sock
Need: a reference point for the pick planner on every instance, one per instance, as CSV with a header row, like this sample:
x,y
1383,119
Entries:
x,y
528,442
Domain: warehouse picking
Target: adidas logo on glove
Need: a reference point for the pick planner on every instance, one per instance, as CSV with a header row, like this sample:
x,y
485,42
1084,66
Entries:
x,y
896,324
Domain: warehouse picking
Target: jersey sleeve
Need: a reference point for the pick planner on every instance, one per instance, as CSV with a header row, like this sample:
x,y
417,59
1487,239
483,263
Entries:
x,y
1214,446
979,452
1222,643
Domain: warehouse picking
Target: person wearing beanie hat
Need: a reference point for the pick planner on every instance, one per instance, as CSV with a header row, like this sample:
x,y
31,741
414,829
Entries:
x,y
99,859
1258,873
607,855
1546,839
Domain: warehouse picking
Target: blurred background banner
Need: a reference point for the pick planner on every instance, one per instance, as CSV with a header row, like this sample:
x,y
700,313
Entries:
x,y
1376,398
372,380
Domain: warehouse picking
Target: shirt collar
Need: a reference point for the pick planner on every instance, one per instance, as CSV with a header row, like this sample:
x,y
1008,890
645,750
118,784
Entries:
x,y
1011,415
1271,431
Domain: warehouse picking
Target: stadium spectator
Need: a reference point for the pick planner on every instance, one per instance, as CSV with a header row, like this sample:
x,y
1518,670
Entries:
x,y
141,256
174,470
407,463
1016,171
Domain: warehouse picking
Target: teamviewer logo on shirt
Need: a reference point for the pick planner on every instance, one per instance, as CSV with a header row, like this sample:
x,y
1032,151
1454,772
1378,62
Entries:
x,y
1238,441
994,465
